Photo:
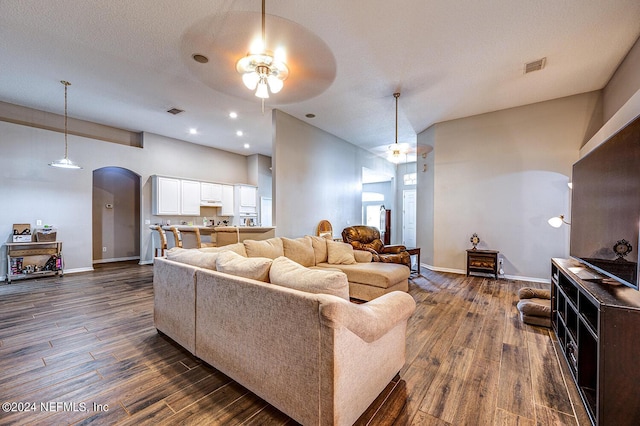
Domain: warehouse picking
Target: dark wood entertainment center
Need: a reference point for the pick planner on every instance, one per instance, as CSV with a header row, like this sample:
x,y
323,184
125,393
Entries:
x,y
598,328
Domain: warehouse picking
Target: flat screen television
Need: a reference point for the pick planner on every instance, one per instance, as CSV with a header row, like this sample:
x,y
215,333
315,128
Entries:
x,y
605,207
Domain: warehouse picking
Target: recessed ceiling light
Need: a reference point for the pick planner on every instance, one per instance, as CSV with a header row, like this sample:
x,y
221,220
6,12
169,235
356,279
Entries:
x,y
239,133
200,58
193,131
310,115
247,146
233,114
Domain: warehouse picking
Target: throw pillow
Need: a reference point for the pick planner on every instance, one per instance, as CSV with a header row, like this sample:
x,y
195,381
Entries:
x,y
270,248
193,257
319,248
299,250
237,248
232,263
287,273
340,253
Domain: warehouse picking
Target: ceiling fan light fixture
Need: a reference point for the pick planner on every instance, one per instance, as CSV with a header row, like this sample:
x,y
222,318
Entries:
x,y
251,80
261,70
65,163
262,92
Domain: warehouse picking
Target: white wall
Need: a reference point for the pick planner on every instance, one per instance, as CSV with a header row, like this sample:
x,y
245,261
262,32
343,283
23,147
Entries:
x,y
502,175
624,83
31,190
317,176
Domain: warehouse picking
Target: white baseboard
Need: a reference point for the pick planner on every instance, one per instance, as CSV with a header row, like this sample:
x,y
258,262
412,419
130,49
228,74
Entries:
x,y
76,270
508,277
117,259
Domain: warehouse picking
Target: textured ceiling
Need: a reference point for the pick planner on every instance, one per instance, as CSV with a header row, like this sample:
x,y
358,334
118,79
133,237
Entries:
x,y
130,61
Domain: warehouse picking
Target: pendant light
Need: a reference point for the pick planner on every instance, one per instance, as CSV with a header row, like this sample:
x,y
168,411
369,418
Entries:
x,y
65,163
396,150
262,70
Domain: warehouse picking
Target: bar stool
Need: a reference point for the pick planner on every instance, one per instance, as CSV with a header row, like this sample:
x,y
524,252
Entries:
x,y
163,240
177,237
199,242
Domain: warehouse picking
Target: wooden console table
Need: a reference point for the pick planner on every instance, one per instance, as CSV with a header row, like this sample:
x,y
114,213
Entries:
x,y
415,251
482,261
33,259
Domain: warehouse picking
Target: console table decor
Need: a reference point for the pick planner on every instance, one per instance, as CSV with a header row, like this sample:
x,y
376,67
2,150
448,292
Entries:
x,y
597,324
482,261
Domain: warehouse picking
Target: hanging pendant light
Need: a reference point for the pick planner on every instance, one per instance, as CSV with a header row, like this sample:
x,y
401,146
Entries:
x,y
397,150
261,70
65,163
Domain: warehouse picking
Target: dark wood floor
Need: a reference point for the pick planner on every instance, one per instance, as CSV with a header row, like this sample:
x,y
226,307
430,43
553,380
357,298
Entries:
x,y
87,340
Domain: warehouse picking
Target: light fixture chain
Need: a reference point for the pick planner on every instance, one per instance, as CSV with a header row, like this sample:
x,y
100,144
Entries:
x,y
66,150
264,39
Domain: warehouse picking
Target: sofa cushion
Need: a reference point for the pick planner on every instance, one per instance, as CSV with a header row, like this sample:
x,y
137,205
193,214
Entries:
x,y
376,274
270,248
299,250
288,273
193,257
340,253
237,248
232,263
362,256
319,248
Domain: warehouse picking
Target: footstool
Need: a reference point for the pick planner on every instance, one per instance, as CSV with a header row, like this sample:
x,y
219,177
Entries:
x,y
535,306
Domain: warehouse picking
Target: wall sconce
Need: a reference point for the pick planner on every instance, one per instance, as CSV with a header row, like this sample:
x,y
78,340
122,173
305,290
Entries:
x,y
557,221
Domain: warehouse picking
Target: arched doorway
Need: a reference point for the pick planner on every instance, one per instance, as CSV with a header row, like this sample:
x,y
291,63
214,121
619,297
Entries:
x,y
116,215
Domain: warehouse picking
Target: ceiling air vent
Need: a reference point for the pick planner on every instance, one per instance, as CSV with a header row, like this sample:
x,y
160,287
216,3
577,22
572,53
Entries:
x,y
535,65
175,111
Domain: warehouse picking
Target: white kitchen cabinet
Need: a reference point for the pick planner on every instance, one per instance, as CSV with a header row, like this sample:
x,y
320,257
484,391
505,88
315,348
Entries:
x,y
174,197
166,195
190,198
248,198
227,201
210,192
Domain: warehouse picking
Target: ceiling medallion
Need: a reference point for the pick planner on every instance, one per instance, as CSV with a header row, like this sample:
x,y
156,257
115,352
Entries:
x,y
262,70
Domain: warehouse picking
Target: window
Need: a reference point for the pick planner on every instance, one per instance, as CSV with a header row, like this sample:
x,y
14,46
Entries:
x,y
410,178
370,197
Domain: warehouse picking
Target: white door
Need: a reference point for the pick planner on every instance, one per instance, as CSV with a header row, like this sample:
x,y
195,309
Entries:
x,y
409,217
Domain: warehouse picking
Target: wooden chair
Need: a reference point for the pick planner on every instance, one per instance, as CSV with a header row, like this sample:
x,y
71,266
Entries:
x,y
325,229
177,236
163,241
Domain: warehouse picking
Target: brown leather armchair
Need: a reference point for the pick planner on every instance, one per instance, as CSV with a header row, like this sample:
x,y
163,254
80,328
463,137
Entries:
x,y
368,238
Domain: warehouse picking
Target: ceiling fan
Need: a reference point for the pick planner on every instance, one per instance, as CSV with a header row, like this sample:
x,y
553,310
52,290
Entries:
x,y
215,51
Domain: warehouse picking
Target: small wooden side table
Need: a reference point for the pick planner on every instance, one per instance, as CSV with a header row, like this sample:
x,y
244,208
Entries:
x,y
482,261
415,251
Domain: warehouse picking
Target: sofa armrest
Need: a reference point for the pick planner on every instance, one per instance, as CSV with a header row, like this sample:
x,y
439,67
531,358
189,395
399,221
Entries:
x,y
363,256
398,248
370,320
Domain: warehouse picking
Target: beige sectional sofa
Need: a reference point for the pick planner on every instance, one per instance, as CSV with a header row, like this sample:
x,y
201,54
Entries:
x,y
286,332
